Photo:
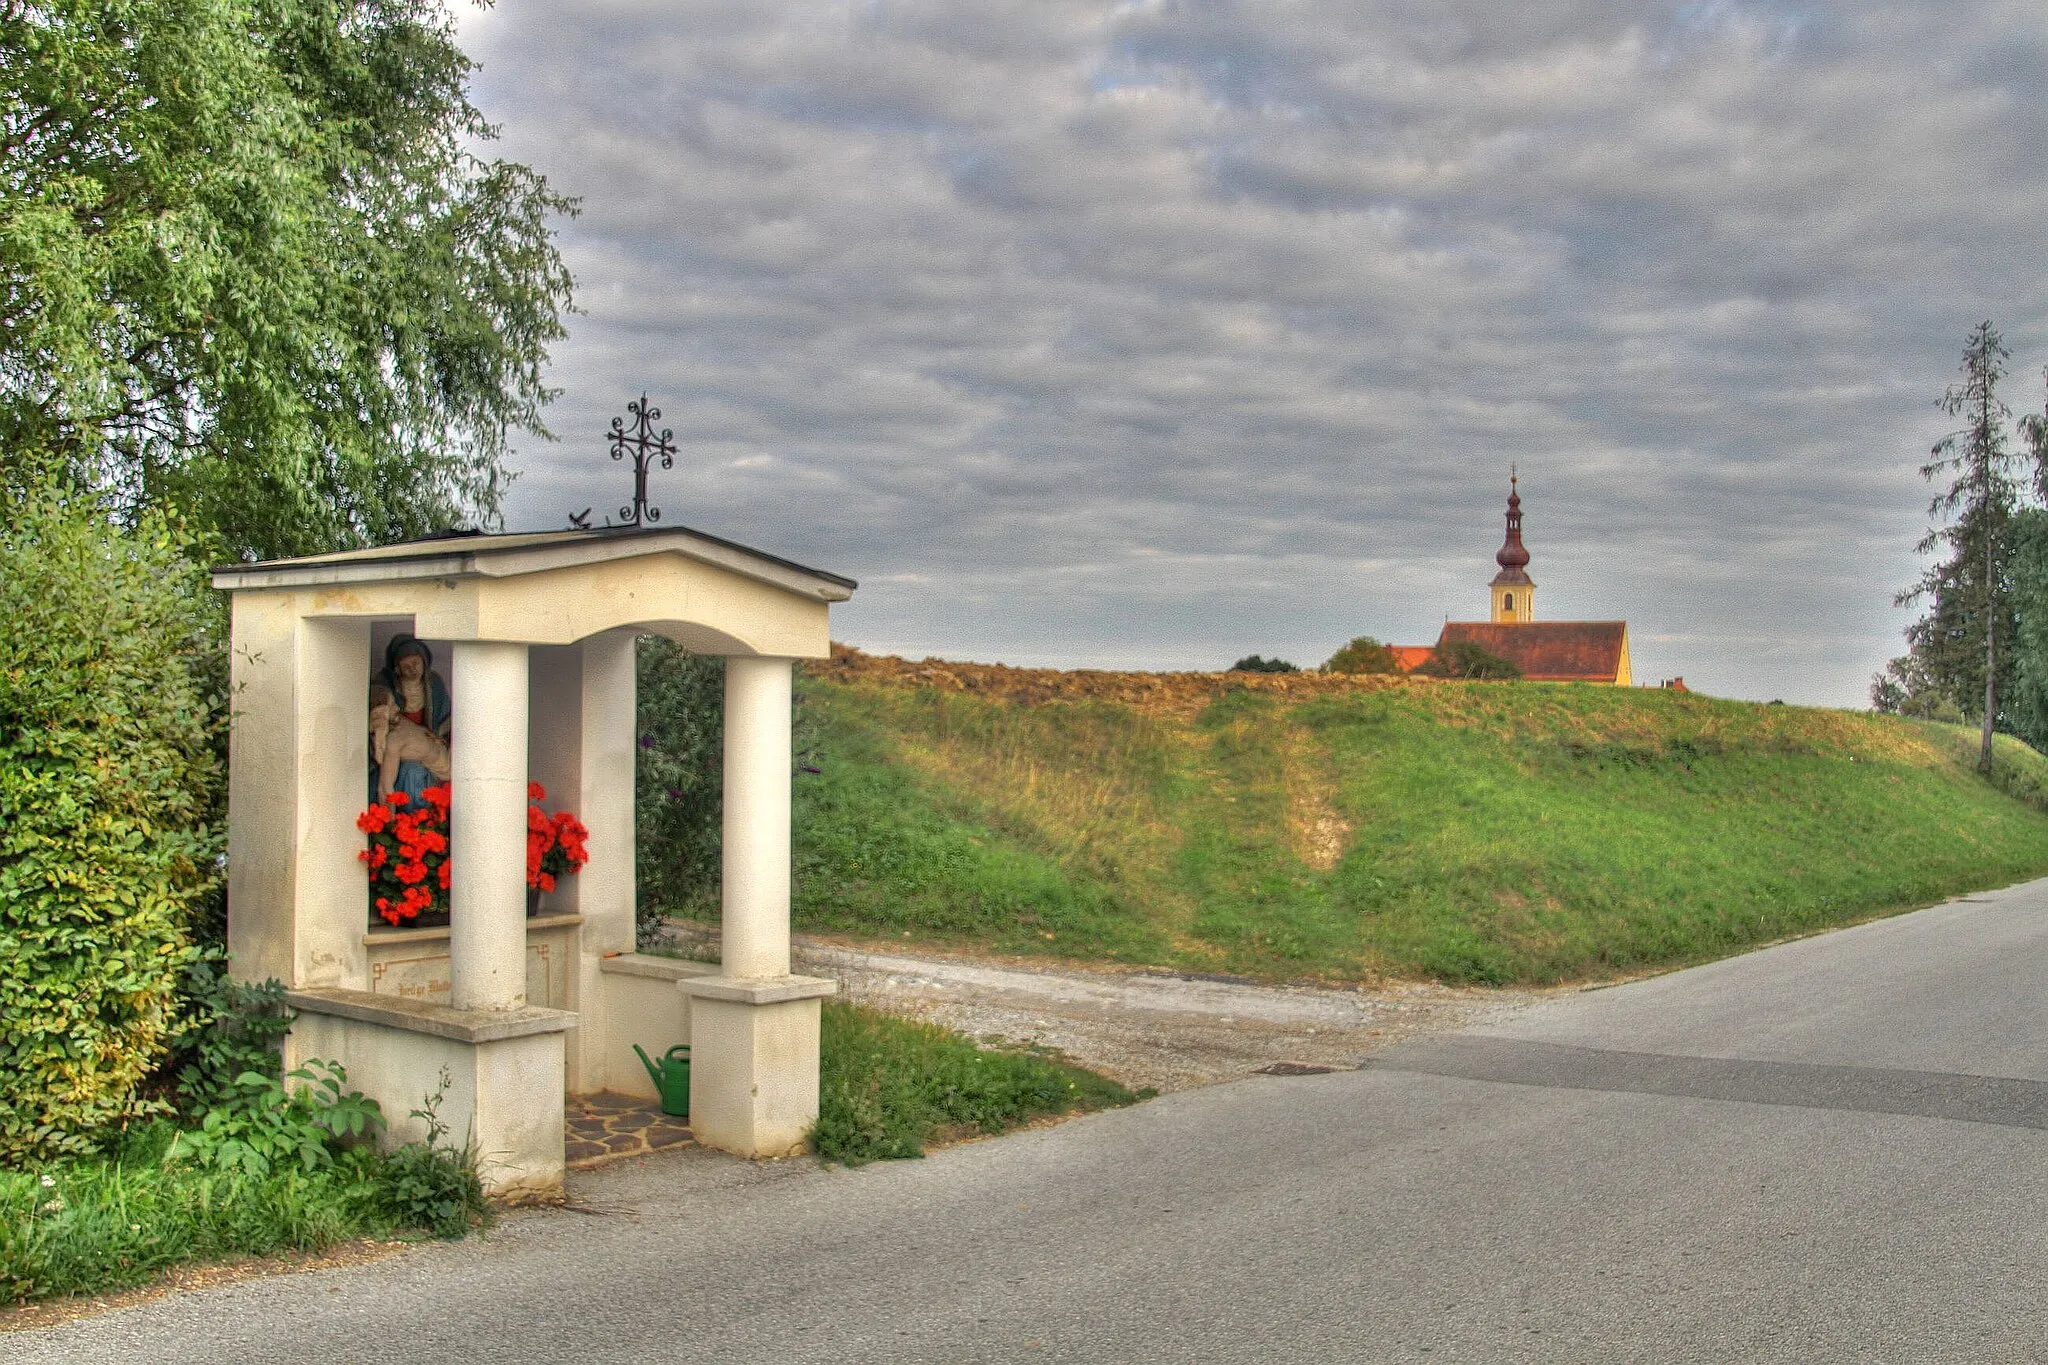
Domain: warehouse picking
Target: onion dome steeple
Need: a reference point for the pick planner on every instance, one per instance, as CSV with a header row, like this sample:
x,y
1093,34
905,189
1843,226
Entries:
x,y
1514,592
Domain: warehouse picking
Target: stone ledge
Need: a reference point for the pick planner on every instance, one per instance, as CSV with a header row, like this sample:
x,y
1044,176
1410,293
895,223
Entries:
x,y
660,968
771,990
420,1016
439,932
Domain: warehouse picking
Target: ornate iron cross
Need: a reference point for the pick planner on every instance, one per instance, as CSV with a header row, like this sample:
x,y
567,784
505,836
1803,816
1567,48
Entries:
x,y
644,443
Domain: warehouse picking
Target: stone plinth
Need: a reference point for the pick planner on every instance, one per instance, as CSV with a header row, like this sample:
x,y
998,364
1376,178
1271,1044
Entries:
x,y
503,1073
754,1061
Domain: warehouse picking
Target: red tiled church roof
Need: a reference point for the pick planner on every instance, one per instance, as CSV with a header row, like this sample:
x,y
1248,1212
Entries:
x,y
1408,658
1549,651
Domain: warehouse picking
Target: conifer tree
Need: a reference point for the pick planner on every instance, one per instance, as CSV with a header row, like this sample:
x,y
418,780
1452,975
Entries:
x,y
1956,645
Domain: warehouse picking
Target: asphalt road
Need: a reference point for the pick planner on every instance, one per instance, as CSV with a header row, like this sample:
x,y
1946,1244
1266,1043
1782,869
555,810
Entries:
x,y
1829,1150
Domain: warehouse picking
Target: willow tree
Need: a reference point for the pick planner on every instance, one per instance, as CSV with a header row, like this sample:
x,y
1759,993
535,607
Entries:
x,y
253,269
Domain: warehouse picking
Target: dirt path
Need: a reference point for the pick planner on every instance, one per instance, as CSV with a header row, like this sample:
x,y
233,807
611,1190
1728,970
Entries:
x,y
1151,1027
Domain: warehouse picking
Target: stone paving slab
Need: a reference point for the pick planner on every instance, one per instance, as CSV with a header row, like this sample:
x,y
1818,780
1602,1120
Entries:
x,y
606,1127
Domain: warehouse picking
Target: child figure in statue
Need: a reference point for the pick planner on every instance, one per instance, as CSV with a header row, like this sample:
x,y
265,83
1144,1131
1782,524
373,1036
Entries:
x,y
396,740
419,696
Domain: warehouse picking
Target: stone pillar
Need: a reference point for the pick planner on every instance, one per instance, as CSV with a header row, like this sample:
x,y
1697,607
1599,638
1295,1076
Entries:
x,y
754,1027
330,893
604,792
603,800
487,827
755,894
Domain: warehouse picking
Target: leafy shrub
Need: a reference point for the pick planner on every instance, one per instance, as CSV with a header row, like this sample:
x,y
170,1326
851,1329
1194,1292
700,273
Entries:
x,y
260,1125
109,791
1252,663
431,1184
1363,655
1464,659
232,1027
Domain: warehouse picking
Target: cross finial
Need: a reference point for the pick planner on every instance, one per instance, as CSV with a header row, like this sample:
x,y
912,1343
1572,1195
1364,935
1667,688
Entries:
x,y
644,443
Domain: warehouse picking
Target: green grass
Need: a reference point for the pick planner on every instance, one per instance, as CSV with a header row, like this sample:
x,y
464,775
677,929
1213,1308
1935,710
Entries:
x,y
1470,832
889,1086
92,1226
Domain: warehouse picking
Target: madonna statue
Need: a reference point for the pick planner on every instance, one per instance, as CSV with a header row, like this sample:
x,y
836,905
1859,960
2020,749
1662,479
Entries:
x,y
409,719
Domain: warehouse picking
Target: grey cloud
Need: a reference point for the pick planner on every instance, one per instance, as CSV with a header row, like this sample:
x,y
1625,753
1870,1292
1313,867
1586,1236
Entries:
x,y
1159,333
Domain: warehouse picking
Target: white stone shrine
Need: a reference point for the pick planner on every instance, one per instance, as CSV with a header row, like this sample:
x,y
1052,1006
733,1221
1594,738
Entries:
x,y
534,635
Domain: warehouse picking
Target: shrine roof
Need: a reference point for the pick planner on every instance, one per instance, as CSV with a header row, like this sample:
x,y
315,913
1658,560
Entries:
x,y
481,555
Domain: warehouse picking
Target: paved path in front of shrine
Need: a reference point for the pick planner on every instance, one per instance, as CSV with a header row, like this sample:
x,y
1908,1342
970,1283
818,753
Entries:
x,y
1828,1150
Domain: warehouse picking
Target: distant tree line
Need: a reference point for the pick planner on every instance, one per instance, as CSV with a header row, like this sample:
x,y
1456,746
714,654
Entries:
x,y
1459,659
1979,652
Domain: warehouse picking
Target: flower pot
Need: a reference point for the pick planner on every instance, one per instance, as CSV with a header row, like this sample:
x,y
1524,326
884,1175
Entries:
x,y
532,901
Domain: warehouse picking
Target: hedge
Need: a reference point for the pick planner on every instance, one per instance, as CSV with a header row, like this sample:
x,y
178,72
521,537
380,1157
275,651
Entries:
x,y
110,782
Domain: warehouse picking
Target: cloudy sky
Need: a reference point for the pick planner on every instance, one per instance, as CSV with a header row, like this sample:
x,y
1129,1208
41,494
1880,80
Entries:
x,y
1154,334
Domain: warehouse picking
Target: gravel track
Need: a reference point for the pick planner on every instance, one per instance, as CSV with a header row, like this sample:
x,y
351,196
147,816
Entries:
x,y
1151,1027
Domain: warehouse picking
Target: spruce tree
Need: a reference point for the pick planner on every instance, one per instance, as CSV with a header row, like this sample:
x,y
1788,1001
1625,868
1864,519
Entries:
x,y
1956,645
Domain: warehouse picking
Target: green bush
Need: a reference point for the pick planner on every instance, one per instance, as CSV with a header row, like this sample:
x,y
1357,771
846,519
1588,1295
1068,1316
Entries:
x,y
1464,659
1363,655
1252,663
231,1027
110,780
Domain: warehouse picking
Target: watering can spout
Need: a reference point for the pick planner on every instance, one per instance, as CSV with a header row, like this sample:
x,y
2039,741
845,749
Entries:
x,y
653,1071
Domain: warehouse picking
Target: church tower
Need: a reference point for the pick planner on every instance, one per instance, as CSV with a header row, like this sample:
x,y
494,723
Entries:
x,y
1514,592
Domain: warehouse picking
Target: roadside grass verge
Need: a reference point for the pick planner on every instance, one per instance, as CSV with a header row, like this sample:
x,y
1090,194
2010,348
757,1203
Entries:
x,y
95,1225
889,1086
1488,833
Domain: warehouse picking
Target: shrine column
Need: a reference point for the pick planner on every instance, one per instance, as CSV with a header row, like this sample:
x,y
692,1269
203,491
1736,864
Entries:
x,y
487,828
755,901
754,1027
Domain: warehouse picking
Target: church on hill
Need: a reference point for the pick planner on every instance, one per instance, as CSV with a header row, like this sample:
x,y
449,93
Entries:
x,y
1545,651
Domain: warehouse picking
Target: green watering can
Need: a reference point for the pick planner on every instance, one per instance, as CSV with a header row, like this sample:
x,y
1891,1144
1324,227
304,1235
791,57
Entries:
x,y
671,1078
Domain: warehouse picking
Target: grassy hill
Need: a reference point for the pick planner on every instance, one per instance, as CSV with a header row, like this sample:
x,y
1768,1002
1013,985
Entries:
x,y
1311,827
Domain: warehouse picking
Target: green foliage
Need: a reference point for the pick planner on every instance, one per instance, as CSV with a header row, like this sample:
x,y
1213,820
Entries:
x,y
1362,655
1539,833
110,780
434,1185
267,1172
1252,663
2024,709
259,1125
680,776
888,1086
255,269
1465,659
1954,653
232,1027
